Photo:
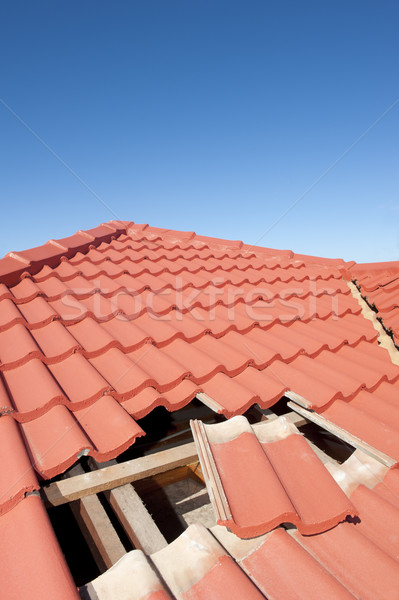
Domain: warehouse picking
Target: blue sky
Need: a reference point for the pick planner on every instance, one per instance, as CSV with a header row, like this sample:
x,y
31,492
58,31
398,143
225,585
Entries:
x,y
212,116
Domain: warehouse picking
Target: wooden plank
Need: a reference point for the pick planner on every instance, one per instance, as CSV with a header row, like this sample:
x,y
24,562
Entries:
x,y
292,417
96,527
210,402
298,399
195,472
135,519
66,490
133,515
342,434
150,484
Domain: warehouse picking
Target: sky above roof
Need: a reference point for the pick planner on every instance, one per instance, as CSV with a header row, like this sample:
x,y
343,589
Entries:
x,y
271,122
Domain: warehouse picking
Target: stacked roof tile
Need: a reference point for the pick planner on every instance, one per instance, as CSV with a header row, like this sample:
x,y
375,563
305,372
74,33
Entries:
x,y
98,329
260,478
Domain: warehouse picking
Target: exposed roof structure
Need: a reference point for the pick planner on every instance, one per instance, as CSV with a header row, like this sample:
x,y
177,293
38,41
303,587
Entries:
x,y
352,560
98,329
344,562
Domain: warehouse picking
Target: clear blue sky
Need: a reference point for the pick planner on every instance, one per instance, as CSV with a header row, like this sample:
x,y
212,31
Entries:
x,y
205,115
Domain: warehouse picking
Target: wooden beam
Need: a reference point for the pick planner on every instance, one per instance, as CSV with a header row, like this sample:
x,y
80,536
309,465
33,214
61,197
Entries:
x,y
195,472
96,527
150,484
210,402
133,515
135,519
298,399
66,490
292,417
342,434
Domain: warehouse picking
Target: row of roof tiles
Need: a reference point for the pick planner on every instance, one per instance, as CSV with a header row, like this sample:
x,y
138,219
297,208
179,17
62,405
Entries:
x,y
15,263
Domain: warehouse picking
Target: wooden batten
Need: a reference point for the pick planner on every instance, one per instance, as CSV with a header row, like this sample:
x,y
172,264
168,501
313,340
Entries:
x,y
342,434
133,515
96,527
86,484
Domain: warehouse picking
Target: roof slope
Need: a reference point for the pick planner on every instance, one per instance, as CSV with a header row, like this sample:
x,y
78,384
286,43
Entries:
x,y
99,328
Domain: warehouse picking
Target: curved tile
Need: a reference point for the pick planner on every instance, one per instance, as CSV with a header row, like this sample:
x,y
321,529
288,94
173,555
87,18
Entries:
x,y
131,578
286,482
32,564
149,398
379,520
58,438
355,561
124,375
195,565
32,390
16,347
80,382
367,427
263,561
17,477
9,314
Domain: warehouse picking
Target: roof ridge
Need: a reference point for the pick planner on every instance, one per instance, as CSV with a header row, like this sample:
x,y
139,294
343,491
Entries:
x,y
14,264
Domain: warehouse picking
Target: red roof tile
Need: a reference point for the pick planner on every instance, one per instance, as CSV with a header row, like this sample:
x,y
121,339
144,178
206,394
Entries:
x,y
351,560
131,578
195,567
268,476
32,564
282,568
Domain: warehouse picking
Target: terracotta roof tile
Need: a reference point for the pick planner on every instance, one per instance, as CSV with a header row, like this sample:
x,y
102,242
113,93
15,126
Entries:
x,y
55,441
17,475
355,561
149,398
131,578
367,423
268,476
261,559
195,565
32,564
